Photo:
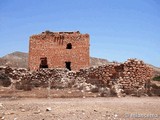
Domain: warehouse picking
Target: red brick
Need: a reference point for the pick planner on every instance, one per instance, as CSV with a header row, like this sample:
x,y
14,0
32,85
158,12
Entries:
x,y
52,45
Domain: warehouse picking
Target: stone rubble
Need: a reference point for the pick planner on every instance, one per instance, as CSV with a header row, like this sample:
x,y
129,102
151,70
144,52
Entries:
x,y
130,77
2,116
48,109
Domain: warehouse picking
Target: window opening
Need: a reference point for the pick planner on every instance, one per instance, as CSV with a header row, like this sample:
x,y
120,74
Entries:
x,y
69,46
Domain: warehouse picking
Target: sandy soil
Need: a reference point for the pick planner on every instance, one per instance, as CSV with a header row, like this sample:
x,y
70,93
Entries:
x,y
111,108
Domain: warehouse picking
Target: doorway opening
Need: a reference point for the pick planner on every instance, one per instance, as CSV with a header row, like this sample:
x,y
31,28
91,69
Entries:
x,y
43,63
68,65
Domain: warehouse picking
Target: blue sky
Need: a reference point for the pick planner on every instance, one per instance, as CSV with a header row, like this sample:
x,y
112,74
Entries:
x,y
119,29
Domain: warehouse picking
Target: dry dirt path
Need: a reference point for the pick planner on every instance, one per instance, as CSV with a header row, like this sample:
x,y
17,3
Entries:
x,y
112,108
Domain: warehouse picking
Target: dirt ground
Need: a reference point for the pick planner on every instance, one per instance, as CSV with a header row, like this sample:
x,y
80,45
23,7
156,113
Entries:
x,y
110,108
45,93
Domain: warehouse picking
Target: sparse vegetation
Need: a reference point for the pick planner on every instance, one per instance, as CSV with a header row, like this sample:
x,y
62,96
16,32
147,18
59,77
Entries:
x,y
157,78
4,80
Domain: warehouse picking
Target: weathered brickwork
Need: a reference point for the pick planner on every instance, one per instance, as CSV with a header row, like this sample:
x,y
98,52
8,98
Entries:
x,y
59,50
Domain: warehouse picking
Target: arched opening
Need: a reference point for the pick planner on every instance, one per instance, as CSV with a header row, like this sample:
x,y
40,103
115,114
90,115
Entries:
x,y
68,65
69,46
43,63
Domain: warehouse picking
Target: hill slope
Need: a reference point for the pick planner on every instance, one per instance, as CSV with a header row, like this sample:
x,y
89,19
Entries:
x,y
15,59
97,61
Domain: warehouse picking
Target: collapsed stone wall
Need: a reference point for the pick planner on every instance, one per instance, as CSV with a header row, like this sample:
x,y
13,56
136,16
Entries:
x,y
132,75
126,77
26,80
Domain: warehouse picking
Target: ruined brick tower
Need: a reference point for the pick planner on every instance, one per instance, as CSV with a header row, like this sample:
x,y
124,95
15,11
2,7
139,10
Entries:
x,y
59,50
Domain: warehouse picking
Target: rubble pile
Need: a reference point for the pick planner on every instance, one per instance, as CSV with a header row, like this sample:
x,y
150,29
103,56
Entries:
x,y
130,76
115,78
136,74
4,80
100,75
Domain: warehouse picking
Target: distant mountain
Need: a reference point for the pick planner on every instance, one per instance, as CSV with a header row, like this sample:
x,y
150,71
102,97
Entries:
x,y
20,60
156,70
97,61
15,59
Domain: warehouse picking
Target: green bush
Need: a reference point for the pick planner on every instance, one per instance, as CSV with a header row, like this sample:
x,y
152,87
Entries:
x,y
157,78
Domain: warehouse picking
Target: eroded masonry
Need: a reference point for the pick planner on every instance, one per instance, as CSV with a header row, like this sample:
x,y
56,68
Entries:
x,y
130,77
59,50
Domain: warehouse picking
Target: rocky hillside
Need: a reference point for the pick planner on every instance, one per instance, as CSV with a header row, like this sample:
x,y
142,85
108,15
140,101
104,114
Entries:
x,y
15,59
98,61
156,70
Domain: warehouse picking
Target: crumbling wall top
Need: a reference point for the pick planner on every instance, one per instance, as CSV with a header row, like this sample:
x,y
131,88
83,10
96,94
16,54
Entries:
x,y
56,34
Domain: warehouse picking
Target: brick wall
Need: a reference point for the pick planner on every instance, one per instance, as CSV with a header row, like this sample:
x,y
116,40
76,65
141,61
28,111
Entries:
x,y
52,46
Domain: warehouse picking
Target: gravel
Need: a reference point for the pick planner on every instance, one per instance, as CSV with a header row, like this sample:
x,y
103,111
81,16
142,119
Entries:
x,y
110,108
